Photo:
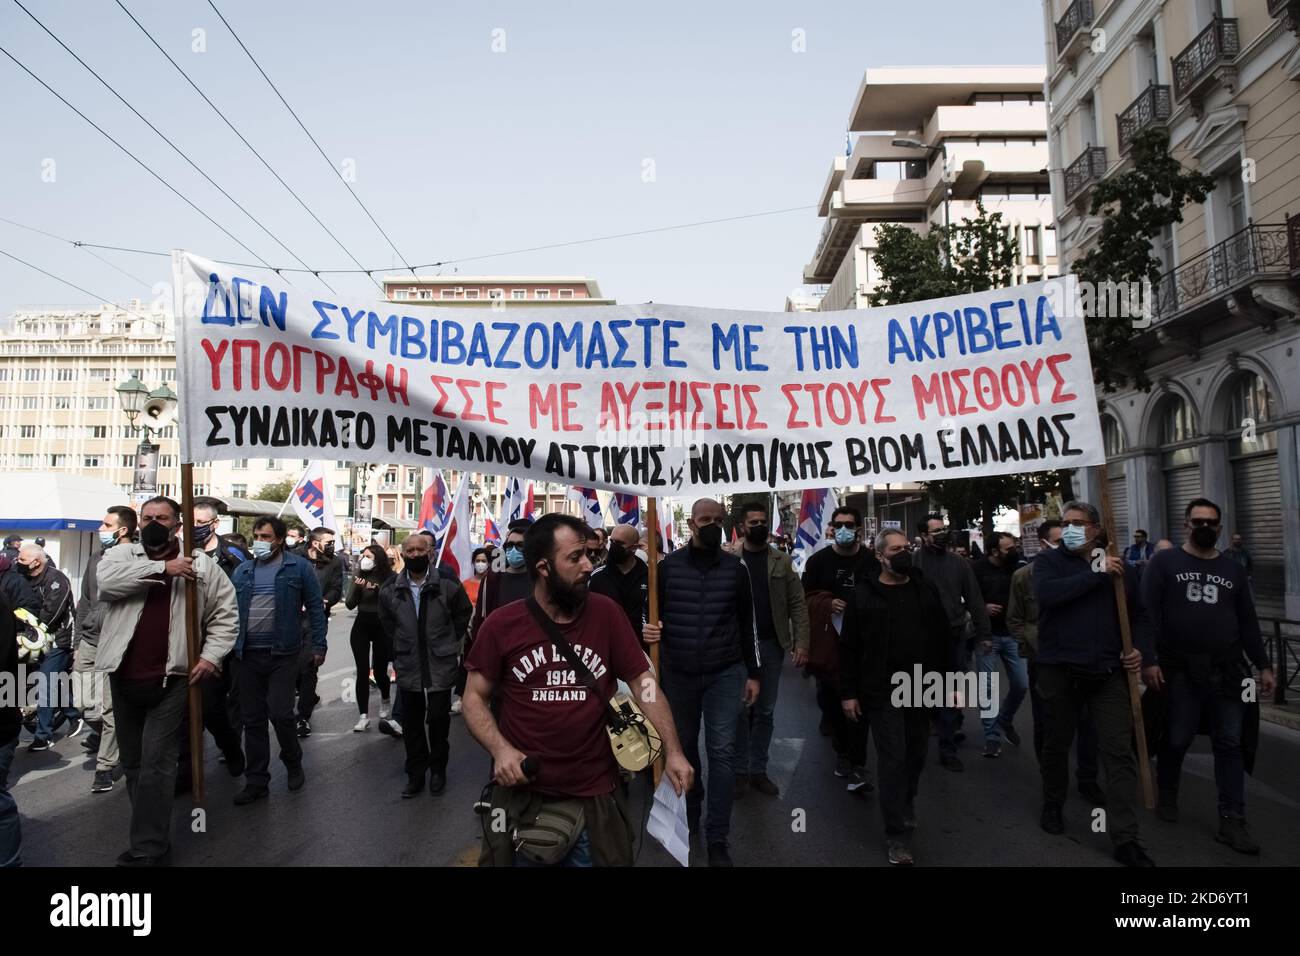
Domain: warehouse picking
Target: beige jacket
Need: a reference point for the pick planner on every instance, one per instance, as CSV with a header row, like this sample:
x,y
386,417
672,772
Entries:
x,y
123,580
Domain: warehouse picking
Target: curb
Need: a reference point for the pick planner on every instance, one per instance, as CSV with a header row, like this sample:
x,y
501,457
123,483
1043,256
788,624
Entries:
x,y
1284,716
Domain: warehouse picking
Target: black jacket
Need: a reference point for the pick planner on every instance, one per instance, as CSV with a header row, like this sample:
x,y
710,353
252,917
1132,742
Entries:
x,y
1078,623
10,716
228,556
995,588
630,591
58,607
427,643
18,592
865,668
90,612
707,609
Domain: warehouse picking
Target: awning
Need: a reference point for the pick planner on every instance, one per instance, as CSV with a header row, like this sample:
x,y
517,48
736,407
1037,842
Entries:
x,y
240,506
393,524
56,501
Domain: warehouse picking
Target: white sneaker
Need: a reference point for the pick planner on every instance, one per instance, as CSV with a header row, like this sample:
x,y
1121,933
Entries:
x,y
456,706
361,725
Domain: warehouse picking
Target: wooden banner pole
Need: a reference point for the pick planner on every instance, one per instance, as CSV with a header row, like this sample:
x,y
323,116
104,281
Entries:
x,y
192,635
652,587
1126,635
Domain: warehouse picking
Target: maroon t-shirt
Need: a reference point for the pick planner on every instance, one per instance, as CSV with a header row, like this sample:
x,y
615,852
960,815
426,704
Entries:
x,y
547,711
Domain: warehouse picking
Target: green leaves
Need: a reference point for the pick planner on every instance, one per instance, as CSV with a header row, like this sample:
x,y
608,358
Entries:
x,y
1135,207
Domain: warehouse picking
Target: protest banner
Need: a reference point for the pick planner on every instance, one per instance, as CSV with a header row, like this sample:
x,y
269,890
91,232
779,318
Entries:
x,y
652,400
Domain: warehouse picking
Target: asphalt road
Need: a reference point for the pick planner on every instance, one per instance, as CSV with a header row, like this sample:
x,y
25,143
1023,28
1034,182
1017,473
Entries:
x,y
350,812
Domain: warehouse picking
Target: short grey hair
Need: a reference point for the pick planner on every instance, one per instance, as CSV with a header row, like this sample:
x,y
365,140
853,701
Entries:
x,y
885,535
1091,511
34,549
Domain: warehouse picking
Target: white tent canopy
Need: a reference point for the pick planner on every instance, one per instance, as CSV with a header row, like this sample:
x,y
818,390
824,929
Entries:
x,y
55,501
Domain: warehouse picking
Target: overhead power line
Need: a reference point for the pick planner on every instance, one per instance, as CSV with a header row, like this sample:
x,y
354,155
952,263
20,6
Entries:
x,y
180,152
244,140
73,285
143,165
324,156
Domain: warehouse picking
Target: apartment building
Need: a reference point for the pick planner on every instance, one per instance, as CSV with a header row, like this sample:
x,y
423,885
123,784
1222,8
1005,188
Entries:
x,y
1222,345
485,291
59,409
932,141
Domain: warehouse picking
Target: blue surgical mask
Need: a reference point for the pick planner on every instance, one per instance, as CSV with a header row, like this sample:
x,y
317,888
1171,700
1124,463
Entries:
x,y
1074,537
514,557
108,538
845,536
262,550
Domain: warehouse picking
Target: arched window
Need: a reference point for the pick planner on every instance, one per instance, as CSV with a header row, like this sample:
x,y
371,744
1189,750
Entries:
x,y
1249,407
1176,425
1112,441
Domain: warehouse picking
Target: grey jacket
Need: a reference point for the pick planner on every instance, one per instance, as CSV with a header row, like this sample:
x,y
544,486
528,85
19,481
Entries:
x,y
90,610
445,610
124,575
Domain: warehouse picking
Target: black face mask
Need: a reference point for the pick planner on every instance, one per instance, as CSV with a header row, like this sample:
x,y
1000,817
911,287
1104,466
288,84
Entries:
x,y
711,537
939,541
1011,557
155,537
418,565
901,563
757,534
617,553
24,569
1204,538
329,549
201,534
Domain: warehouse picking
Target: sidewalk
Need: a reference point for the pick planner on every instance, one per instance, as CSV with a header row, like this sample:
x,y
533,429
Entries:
x,y
1288,714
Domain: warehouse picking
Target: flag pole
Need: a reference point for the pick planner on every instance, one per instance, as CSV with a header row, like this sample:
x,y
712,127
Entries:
x,y
1121,605
192,635
652,587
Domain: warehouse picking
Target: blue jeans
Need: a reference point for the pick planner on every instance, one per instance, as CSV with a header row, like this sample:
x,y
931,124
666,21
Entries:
x,y
714,699
754,726
579,856
57,660
11,833
1006,649
1186,703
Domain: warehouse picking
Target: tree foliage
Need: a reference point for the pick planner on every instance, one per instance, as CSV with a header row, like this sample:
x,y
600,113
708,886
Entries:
x,y
1135,206
915,267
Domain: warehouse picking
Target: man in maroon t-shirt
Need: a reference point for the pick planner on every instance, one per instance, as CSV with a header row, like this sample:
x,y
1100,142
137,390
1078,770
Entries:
x,y
548,713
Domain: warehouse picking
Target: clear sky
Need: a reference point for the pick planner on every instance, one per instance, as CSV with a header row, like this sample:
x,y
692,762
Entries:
x,y
459,150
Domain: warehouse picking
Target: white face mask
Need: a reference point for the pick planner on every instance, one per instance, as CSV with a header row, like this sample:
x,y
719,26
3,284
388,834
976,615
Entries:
x,y
367,563
480,567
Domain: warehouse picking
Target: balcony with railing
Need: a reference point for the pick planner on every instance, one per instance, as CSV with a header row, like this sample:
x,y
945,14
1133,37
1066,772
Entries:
x,y
1152,108
1288,11
1071,37
1084,172
1256,252
1207,62
1293,243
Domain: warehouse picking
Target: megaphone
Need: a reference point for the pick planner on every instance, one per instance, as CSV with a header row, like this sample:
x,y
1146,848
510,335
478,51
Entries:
x,y
159,412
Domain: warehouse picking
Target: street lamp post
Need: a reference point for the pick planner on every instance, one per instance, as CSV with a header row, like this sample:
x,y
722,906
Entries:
x,y
158,407
942,149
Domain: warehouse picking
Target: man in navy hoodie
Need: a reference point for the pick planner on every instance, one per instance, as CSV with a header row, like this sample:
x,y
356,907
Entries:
x,y
1081,660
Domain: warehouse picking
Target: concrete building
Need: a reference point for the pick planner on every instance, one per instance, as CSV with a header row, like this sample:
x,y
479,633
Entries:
x,y
1222,346
501,292
59,410
971,133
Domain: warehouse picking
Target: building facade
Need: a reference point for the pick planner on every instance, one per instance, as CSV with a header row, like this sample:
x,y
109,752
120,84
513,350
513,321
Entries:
x,y
932,142
1222,343
59,410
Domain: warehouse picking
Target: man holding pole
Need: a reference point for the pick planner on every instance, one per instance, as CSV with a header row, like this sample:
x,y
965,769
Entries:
x,y
1081,659
143,648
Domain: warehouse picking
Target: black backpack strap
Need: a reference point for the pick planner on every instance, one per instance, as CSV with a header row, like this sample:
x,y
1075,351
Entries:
x,y
552,631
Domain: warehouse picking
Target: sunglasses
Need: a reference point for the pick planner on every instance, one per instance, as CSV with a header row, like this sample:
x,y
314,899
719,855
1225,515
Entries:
x,y
851,525
1203,522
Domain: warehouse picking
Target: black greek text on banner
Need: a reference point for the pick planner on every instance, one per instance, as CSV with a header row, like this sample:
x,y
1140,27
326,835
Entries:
x,y
642,399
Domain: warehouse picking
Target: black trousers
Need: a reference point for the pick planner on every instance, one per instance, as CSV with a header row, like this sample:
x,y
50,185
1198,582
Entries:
x,y
217,718
266,684
148,716
1065,692
306,680
848,737
372,649
1085,739
902,736
425,754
